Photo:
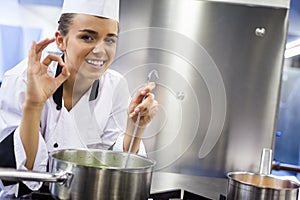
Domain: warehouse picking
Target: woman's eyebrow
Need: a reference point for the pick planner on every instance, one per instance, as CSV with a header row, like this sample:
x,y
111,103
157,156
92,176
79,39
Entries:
x,y
112,35
96,33
89,31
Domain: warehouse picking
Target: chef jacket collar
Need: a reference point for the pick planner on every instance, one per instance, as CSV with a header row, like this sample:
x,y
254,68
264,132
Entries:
x,y
57,96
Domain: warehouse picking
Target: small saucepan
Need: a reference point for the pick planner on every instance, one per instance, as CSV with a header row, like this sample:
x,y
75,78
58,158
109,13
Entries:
x,y
245,185
261,186
92,174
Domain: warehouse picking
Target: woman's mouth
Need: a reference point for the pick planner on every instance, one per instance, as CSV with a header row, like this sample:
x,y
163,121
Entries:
x,y
96,63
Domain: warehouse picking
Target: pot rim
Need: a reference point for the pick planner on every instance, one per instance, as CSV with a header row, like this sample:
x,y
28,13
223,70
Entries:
x,y
295,184
150,166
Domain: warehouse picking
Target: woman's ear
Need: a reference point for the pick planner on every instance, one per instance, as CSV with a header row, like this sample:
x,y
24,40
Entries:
x,y
59,41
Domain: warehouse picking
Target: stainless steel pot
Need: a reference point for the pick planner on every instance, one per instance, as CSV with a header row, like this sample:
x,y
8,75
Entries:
x,y
250,186
80,174
261,186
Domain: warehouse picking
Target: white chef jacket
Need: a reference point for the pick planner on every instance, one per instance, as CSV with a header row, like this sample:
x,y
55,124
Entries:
x,y
98,120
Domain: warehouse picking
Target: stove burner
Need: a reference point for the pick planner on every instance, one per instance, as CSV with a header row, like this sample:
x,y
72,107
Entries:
x,y
191,196
176,194
166,195
38,196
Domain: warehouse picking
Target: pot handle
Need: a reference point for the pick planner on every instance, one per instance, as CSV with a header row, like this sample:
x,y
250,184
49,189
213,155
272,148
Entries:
x,y
10,174
266,162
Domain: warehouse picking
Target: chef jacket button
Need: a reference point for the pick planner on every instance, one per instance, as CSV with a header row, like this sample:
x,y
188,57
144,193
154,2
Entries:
x,y
55,145
58,107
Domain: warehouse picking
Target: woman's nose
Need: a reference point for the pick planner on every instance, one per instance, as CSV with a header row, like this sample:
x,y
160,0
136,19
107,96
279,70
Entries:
x,y
98,48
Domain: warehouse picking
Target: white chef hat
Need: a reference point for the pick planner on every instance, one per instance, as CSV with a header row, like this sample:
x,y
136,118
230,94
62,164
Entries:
x,y
102,8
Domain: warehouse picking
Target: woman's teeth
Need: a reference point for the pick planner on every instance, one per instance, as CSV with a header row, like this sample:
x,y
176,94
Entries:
x,y
95,62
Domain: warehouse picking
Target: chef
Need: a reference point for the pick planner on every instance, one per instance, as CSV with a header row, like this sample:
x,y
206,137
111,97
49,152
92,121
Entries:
x,y
70,100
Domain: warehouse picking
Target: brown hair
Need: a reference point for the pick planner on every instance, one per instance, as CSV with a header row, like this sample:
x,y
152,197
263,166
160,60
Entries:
x,y
65,22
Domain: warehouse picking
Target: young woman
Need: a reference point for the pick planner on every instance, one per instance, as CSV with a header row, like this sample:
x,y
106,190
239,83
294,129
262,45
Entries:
x,y
71,100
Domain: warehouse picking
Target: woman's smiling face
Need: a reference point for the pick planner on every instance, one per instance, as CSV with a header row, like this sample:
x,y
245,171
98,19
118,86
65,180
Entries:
x,y
90,45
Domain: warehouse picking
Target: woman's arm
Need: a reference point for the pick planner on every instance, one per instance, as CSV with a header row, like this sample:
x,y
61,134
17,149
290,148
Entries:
x,y
147,107
40,86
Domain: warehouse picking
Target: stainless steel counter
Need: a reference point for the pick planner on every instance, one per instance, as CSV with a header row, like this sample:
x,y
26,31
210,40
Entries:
x,y
206,186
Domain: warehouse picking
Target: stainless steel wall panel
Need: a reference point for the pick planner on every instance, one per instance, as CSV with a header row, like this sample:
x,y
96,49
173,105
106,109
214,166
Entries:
x,y
219,65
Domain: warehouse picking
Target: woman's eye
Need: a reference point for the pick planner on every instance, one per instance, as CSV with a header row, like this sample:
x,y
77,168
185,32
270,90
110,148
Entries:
x,y
86,38
110,40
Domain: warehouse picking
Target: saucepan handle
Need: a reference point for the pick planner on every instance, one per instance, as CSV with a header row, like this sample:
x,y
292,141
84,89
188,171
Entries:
x,y
266,162
9,174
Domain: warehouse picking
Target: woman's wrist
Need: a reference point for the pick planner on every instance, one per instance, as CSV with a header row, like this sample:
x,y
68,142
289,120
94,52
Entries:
x,y
28,105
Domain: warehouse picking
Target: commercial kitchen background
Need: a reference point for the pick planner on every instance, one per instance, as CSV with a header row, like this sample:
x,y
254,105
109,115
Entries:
x,y
22,21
